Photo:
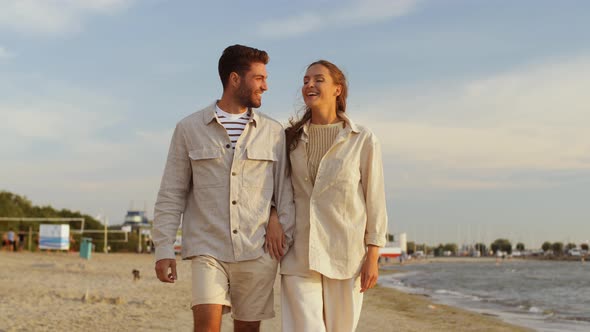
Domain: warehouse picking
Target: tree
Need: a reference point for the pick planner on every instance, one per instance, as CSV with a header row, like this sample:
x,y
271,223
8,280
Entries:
x,y
438,251
520,246
12,205
452,247
481,248
502,245
570,246
411,245
584,246
557,248
546,246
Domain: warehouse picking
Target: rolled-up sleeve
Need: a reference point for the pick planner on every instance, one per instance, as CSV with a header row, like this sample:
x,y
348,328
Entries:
x,y
172,196
283,191
373,185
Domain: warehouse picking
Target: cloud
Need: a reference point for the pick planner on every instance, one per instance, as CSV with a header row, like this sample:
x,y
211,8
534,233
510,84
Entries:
x,y
356,12
77,149
53,17
476,133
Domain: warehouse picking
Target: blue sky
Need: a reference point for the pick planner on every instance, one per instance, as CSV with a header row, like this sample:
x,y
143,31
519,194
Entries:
x,y
481,106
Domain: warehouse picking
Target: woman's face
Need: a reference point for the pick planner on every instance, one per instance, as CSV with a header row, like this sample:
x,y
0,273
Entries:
x,y
319,89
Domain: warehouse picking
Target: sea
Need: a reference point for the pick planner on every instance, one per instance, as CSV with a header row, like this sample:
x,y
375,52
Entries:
x,y
542,295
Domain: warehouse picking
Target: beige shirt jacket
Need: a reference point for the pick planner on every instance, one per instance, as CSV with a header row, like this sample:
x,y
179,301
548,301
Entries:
x,y
224,198
344,211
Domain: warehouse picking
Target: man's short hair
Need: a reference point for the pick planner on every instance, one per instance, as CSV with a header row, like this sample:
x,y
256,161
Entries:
x,y
237,58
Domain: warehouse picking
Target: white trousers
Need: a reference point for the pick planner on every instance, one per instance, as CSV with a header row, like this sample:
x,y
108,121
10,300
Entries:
x,y
320,304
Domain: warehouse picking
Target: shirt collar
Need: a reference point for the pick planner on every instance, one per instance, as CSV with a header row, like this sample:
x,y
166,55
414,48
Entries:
x,y
209,114
349,126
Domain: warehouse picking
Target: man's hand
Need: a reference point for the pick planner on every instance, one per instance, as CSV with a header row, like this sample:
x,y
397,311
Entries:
x,y
275,240
370,269
166,270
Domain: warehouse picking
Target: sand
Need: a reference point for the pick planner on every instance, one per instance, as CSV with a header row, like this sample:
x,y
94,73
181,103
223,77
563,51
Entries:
x,y
61,291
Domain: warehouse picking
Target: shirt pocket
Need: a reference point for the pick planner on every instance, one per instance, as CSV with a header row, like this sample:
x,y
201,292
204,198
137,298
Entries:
x,y
338,180
258,168
340,171
208,168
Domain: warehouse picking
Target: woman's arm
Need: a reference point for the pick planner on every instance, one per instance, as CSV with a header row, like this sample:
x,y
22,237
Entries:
x,y
370,269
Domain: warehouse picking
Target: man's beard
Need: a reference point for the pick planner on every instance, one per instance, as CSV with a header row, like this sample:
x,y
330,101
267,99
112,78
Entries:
x,y
245,97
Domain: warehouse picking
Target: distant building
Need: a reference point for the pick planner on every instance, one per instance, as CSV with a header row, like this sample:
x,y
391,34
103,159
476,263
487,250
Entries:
x,y
136,219
395,246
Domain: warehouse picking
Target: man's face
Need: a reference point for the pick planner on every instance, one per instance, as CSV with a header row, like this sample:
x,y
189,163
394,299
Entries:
x,y
252,86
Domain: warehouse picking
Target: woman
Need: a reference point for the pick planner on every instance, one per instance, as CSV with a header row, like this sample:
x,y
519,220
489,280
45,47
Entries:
x,y
341,219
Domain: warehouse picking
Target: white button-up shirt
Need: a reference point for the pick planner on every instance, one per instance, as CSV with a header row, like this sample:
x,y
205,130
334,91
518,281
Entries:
x,y
223,196
344,211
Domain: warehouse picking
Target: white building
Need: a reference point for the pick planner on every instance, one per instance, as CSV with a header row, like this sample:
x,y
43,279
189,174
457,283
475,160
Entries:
x,y
395,248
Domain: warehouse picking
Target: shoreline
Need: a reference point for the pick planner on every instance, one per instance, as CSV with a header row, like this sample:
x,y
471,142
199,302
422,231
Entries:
x,y
393,275
48,291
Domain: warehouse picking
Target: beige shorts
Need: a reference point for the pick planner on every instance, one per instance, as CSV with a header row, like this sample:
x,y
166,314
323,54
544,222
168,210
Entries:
x,y
245,288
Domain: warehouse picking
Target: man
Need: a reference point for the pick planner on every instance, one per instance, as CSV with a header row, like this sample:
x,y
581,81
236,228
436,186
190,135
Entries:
x,y
225,168
11,240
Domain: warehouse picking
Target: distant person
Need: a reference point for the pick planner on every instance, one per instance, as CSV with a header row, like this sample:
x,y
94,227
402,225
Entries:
x,y
11,240
21,240
5,242
226,166
341,219
73,247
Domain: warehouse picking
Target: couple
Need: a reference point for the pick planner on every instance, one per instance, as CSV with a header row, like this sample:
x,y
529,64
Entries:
x,y
251,194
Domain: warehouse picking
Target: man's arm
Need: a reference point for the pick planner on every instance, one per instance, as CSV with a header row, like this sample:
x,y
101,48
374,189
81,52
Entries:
x,y
170,205
166,270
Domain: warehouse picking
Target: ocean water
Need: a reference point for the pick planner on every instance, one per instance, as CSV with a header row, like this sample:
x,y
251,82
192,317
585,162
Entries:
x,y
543,295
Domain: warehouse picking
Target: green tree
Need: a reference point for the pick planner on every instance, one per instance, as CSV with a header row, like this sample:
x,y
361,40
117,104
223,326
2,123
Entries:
x,y
502,245
571,246
16,206
452,247
584,246
546,246
411,245
557,248
438,251
520,246
12,205
481,248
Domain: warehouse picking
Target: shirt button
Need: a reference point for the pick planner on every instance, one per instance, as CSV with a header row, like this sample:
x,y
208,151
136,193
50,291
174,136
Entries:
x,y
235,231
234,173
234,202
228,146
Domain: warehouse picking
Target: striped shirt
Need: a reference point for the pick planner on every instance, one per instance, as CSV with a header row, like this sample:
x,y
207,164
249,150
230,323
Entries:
x,y
234,124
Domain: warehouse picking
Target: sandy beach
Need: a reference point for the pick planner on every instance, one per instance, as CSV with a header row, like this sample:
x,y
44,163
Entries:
x,y
59,291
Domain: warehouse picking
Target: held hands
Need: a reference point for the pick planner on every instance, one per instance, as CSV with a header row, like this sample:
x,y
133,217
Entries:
x,y
163,266
275,240
370,269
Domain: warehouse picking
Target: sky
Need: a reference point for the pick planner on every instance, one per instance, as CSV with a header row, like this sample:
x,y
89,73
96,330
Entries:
x,y
481,107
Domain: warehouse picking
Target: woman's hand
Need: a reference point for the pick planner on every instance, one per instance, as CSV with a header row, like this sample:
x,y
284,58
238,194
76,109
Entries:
x,y
370,269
